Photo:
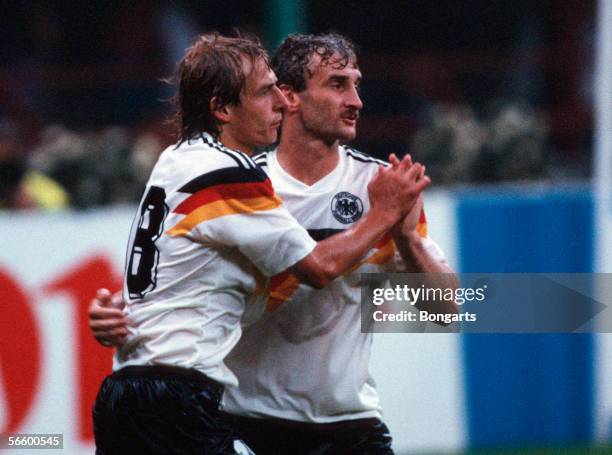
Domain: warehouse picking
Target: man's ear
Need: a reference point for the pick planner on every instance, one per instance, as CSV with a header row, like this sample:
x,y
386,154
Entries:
x,y
293,98
219,110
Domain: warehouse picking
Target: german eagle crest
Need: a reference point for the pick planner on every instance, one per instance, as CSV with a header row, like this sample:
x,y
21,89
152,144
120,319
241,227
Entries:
x,y
346,207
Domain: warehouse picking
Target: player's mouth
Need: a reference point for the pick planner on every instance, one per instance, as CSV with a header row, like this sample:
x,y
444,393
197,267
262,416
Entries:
x,y
350,118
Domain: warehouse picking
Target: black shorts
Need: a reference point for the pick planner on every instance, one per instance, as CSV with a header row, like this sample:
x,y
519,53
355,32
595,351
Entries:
x,y
162,410
286,437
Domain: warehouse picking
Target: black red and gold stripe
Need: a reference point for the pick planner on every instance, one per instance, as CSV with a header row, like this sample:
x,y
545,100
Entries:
x,y
222,192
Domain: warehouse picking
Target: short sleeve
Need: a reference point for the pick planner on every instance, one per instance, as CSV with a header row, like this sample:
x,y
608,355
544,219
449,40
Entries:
x,y
434,249
237,206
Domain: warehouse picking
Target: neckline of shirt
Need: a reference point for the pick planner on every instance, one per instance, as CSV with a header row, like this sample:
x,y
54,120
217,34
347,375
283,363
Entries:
x,y
319,185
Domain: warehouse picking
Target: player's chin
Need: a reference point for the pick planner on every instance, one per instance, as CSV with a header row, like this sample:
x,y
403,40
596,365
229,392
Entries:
x,y
347,132
268,137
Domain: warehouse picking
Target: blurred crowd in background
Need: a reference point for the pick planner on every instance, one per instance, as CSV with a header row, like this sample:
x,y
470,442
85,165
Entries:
x,y
63,168
479,91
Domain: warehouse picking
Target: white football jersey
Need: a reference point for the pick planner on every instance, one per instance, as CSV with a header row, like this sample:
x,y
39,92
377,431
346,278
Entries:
x,y
306,359
208,226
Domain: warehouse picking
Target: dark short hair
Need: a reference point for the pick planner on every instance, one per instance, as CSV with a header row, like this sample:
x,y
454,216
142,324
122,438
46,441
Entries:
x,y
291,59
212,67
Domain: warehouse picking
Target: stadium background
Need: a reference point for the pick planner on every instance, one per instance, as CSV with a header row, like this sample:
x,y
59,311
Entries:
x,y
508,103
